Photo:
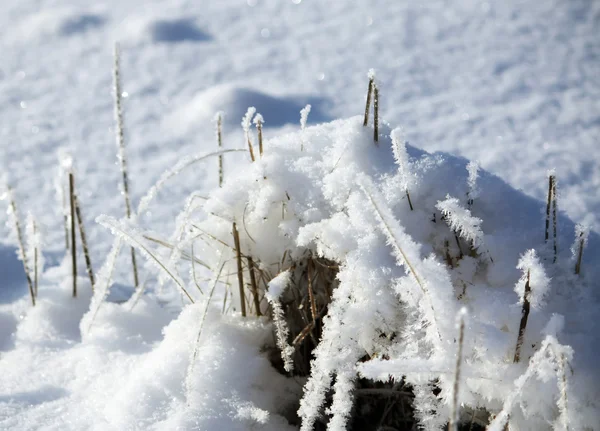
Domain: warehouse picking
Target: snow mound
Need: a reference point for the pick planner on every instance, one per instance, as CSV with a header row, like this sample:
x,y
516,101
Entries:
x,y
234,101
416,237
162,30
57,22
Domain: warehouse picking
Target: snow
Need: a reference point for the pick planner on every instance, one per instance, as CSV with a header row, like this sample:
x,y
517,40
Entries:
x,y
513,85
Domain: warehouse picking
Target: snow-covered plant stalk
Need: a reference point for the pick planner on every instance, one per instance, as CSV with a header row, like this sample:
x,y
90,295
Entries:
x,y
375,112
84,243
246,121
343,398
454,401
34,247
258,122
276,288
73,233
22,253
581,235
303,119
551,353
460,220
401,157
551,211
532,289
254,285
219,129
121,145
371,77
240,270
473,193
65,163
103,286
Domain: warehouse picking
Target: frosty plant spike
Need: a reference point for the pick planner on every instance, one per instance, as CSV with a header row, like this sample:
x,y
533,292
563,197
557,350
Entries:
x,y
371,76
551,212
84,243
246,121
454,407
258,121
73,233
240,271
219,121
121,145
581,234
22,252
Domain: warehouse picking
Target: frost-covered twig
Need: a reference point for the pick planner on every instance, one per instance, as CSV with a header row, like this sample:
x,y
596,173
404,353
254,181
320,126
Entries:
x,y
276,287
240,271
121,146
473,193
304,116
552,205
343,398
371,76
136,240
34,247
454,402
219,124
375,113
581,235
259,121
84,243
73,233
401,158
12,213
103,286
461,221
246,127
534,276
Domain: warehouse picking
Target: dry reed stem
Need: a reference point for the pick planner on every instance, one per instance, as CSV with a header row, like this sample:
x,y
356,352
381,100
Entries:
x,y
453,422
84,243
524,317
254,286
73,234
311,295
220,144
548,207
375,113
260,137
409,201
121,145
580,253
13,207
35,263
240,271
554,218
368,105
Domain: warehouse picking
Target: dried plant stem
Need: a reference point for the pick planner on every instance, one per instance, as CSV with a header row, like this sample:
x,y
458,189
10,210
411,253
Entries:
x,y
453,422
554,218
375,113
260,136
121,145
580,253
13,207
65,216
240,270
409,201
524,317
250,147
368,105
73,234
84,243
311,294
551,205
220,144
563,386
35,263
254,286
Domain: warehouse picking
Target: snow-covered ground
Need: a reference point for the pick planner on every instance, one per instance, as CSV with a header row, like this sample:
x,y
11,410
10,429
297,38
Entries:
x,y
514,84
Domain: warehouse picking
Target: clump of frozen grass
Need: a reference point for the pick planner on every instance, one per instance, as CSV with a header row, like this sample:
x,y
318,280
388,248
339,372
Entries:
x,y
359,284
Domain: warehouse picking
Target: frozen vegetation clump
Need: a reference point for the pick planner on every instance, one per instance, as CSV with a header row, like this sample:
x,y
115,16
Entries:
x,y
362,255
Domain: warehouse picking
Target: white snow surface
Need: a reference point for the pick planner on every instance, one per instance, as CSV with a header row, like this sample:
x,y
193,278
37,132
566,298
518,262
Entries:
x,y
514,85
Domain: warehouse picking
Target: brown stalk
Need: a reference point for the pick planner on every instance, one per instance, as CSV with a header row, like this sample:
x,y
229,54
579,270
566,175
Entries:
x,y
73,235
409,201
368,105
580,253
220,143
260,137
240,270
13,206
254,286
524,317
84,243
376,113
311,295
